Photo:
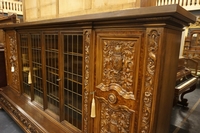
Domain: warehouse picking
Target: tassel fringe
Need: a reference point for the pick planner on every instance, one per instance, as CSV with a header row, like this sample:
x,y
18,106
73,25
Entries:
x,y
29,78
93,112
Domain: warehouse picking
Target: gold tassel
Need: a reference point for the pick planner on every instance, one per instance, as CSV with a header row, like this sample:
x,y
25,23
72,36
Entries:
x,y
12,68
93,113
29,78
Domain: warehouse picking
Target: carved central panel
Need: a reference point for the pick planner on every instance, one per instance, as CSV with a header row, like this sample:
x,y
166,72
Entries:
x,y
118,67
115,119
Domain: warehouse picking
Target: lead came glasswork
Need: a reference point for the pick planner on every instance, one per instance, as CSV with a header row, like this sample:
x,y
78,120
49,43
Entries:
x,y
37,68
51,50
25,63
73,78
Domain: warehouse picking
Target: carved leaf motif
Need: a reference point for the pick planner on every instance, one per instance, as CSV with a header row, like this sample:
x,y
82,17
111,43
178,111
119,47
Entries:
x,y
149,82
86,79
115,119
13,59
21,118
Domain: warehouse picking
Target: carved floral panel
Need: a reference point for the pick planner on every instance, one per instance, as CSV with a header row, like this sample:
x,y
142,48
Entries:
x,y
87,38
152,51
119,60
12,59
115,119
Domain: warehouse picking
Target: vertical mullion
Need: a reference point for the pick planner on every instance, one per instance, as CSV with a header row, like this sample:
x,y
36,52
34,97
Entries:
x,y
61,57
77,80
72,78
67,71
20,62
44,68
55,69
50,68
21,51
30,65
35,65
67,51
39,65
56,66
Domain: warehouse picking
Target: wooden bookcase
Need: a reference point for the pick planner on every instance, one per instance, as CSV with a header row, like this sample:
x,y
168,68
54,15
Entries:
x,y
126,60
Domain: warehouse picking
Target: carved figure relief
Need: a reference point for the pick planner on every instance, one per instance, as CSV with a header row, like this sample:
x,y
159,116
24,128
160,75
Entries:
x,y
153,39
118,63
115,119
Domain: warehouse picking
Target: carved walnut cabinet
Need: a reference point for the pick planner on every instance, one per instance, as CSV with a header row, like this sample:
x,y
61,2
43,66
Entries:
x,y
101,73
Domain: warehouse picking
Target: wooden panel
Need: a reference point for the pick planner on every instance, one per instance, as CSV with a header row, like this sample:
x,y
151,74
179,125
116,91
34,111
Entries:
x,y
146,3
117,75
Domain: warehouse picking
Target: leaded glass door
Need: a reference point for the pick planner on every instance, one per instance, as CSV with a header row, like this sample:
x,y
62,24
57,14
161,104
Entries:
x,y
52,74
37,82
73,57
25,63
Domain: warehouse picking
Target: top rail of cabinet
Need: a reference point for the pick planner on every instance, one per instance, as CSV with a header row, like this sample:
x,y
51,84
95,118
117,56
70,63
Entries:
x,y
171,14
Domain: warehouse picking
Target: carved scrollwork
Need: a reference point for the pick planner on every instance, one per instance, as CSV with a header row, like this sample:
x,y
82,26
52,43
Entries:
x,y
87,34
153,39
118,63
113,86
28,125
115,119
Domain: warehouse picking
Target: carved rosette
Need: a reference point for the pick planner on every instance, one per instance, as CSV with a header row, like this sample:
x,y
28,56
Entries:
x,y
153,39
13,59
115,119
118,63
87,34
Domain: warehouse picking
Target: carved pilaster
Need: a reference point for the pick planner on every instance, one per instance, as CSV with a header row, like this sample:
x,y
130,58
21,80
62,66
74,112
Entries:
x,y
152,49
87,34
12,60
